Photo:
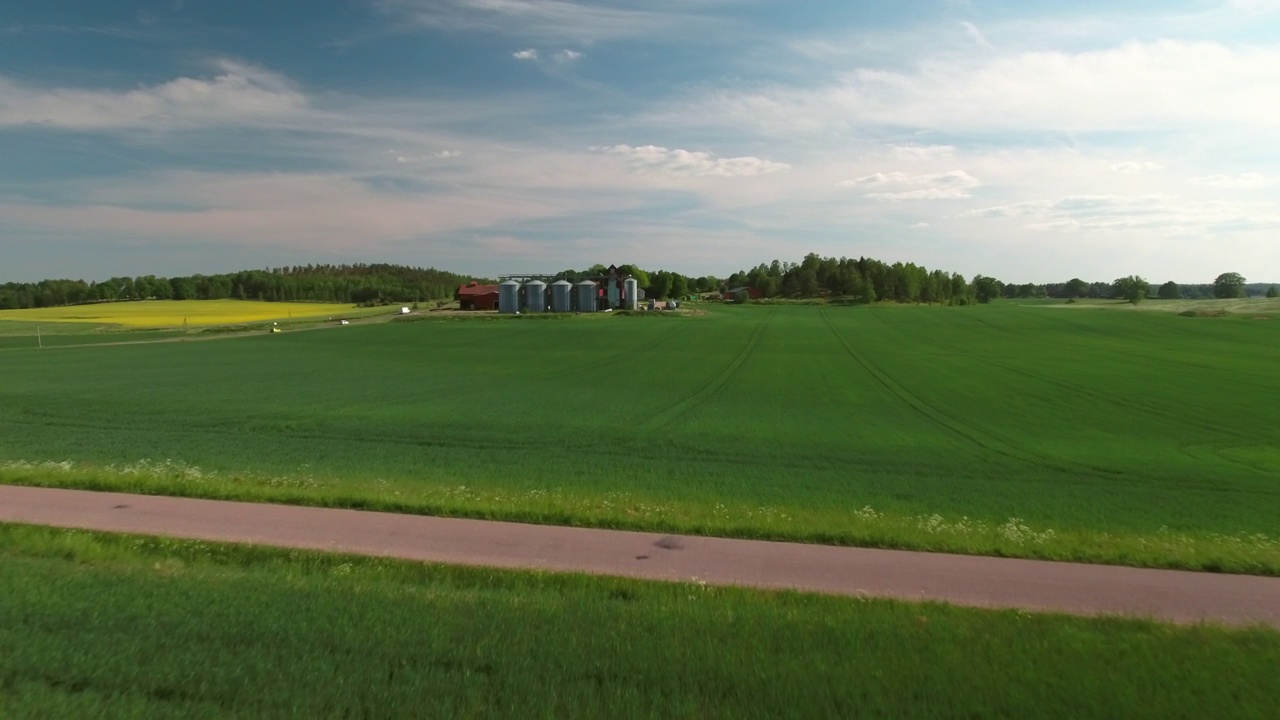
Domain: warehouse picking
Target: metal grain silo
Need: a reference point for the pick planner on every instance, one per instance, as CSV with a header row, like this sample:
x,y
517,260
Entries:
x,y
561,296
535,296
586,296
509,297
630,292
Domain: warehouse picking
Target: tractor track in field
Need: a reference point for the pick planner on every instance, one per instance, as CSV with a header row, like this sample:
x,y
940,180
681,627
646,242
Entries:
x,y
713,386
985,440
1216,451
1072,466
1149,357
1127,403
909,399
1039,585
610,359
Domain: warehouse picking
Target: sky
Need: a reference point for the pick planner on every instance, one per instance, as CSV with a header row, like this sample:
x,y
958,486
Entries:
x,y
1029,140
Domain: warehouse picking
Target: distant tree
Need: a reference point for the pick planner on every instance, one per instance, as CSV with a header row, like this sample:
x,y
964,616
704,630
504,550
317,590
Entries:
x,y
679,285
1229,285
642,277
1273,292
1170,291
659,285
1076,287
808,283
1132,288
986,289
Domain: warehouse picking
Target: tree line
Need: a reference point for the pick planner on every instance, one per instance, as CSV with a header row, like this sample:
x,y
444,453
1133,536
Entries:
x,y
864,280
1226,286
356,284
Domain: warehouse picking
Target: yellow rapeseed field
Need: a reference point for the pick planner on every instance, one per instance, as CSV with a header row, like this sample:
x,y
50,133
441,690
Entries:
x,y
173,313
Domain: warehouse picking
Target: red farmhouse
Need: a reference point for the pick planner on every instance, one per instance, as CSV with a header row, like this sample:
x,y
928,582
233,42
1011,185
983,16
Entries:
x,y
475,296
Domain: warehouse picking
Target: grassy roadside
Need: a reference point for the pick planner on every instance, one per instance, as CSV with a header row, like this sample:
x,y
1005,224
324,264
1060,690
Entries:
x,y
99,625
1247,553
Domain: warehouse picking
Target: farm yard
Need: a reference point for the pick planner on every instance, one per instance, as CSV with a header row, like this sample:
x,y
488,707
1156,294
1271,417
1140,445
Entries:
x,y
1065,433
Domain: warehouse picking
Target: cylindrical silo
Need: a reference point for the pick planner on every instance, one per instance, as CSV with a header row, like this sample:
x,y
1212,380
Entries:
x,y
586,296
535,296
630,288
561,296
509,297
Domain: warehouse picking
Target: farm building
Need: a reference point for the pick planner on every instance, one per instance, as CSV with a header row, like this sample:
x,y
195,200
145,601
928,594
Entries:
x,y
536,292
612,290
474,296
732,293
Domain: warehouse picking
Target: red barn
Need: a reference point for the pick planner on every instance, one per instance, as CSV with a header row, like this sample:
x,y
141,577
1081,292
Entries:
x,y
732,293
474,296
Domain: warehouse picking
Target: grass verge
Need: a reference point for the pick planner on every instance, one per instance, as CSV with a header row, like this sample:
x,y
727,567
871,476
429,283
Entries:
x,y
1246,553
98,625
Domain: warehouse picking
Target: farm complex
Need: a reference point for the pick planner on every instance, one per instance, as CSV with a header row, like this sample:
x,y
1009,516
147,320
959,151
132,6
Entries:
x,y
1038,430
549,293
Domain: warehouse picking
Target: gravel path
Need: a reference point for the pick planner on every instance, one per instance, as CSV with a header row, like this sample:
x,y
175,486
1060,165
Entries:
x,y
961,579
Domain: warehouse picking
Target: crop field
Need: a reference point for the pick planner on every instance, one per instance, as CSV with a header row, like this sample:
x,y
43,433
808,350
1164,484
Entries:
x,y
1068,433
1250,307
176,313
105,625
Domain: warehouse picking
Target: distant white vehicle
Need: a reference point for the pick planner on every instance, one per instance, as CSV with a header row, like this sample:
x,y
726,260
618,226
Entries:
x,y
404,311
343,322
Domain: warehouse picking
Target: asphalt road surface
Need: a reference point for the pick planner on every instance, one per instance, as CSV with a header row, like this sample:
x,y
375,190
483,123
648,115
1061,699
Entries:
x,y
960,579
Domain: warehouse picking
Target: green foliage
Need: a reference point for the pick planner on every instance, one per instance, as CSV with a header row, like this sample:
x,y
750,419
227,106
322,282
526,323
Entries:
x,y
1132,288
1273,292
992,412
1170,291
866,279
113,626
1229,285
986,289
361,284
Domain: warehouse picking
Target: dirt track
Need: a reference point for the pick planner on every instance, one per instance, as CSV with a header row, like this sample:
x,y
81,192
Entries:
x,y
960,579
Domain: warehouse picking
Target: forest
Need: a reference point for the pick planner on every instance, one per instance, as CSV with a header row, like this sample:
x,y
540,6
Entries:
x,y
864,280
356,284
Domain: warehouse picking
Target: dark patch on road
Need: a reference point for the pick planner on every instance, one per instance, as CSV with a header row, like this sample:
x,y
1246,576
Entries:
x,y
670,542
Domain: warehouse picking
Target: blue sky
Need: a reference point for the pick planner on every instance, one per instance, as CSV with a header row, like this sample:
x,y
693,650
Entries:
x,y
1033,141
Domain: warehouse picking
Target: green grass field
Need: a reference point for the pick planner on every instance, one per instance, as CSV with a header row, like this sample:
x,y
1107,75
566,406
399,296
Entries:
x,y
1128,437
117,626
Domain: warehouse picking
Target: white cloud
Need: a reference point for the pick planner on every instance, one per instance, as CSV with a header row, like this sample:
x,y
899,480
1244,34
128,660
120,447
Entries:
x,y
685,163
303,212
1138,86
922,152
1254,7
526,54
238,94
1243,181
919,225
1134,167
951,185
438,155
1164,214
550,20
976,35
567,56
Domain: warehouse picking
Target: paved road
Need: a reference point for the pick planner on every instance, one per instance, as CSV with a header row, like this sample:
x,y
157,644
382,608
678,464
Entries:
x,y
961,579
